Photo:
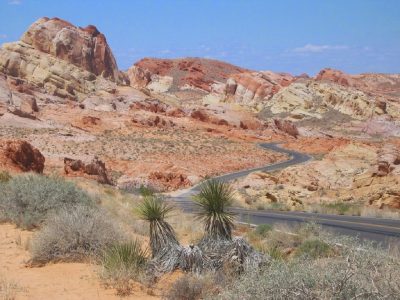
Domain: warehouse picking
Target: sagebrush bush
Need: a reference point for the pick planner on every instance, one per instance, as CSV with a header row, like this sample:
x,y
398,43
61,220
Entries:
x,y
358,271
5,177
75,234
26,200
191,287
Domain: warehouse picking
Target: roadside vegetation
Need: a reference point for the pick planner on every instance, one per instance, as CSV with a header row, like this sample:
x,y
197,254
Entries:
x,y
136,240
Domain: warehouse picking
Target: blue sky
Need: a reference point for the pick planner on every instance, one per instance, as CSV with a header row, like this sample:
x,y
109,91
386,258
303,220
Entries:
x,y
294,36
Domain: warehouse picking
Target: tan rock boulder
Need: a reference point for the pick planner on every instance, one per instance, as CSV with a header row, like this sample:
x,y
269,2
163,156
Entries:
x,y
17,155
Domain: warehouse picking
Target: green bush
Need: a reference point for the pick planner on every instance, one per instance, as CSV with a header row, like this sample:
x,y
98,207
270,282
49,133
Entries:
x,y
314,249
26,200
74,234
263,229
122,262
128,257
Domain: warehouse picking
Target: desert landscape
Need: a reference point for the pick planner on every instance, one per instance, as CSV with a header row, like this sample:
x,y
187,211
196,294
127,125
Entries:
x,y
93,160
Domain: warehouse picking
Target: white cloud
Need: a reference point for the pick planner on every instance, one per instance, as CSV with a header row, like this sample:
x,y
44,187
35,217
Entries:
x,y
14,2
165,51
3,36
310,48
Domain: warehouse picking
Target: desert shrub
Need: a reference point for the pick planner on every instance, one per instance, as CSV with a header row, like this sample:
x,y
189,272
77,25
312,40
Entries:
x,y
263,229
4,177
314,249
122,263
74,234
359,271
27,199
8,289
191,287
145,191
342,208
275,253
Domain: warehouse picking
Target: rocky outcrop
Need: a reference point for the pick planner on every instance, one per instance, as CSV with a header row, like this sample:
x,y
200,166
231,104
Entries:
x,y
152,121
313,99
169,181
171,75
21,156
95,170
86,48
378,84
253,88
287,127
388,160
152,105
64,60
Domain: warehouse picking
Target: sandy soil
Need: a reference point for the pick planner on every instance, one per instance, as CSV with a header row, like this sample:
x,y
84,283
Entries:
x,y
55,281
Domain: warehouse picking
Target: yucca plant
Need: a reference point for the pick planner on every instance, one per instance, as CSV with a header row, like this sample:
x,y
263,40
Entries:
x,y
155,210
214,199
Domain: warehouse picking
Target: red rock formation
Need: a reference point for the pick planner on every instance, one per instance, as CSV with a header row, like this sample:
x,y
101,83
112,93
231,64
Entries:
x,y
196,72
84,47
152,105
170,181
95,170
287,127
335,76
20,156
200,115
152,121
90,121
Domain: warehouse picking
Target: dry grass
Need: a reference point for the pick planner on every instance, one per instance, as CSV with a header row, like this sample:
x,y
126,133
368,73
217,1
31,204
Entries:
x,y
8,289
352,209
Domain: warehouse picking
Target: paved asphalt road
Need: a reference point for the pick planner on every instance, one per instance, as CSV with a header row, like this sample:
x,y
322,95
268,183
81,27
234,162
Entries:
x,y
382,230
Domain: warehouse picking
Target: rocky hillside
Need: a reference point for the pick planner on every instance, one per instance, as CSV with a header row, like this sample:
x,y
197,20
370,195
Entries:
x,y
171,75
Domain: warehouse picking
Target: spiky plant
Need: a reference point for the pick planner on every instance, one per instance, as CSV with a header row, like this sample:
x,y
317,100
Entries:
x,y
155,210
128,257
214,199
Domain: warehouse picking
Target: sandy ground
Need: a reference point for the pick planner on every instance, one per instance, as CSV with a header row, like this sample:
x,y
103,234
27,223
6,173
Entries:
x,y
55,281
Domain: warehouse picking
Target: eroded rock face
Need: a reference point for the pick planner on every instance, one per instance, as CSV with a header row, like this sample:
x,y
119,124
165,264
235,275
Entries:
x,y
20,156
388,160
95,170
64,60
313,99
253,88
86,47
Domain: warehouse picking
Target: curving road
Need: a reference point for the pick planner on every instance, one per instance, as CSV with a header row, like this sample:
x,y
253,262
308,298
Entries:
x,y
380,230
